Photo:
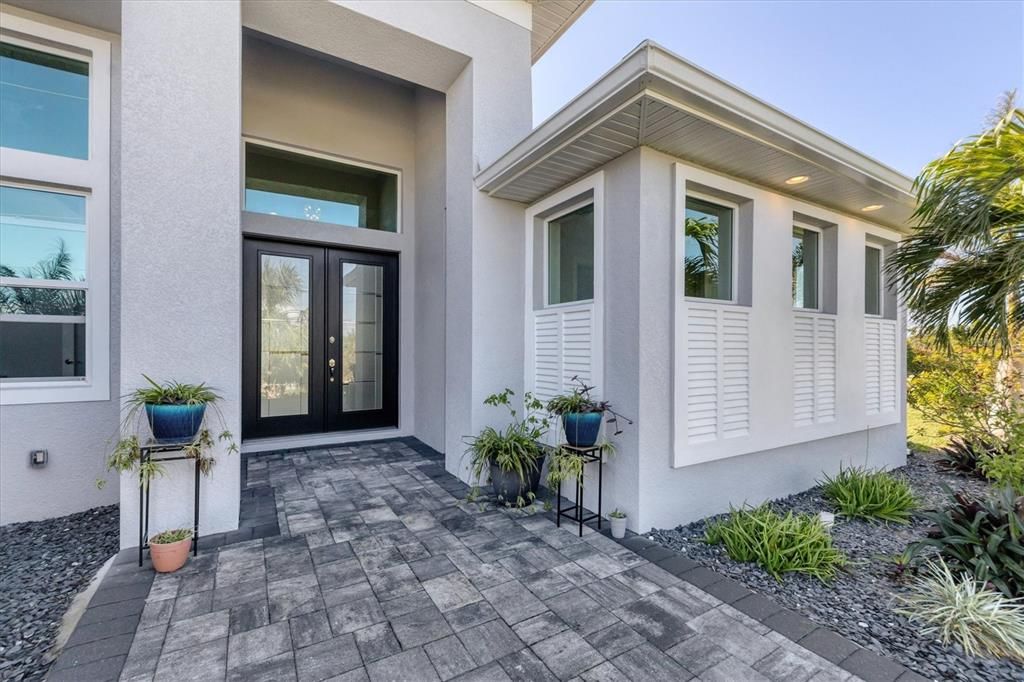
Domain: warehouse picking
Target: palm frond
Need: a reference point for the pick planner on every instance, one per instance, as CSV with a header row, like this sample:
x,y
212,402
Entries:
x,y
964,265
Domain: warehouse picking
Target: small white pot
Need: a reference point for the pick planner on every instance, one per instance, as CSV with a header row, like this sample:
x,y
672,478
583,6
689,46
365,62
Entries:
x,y
618,527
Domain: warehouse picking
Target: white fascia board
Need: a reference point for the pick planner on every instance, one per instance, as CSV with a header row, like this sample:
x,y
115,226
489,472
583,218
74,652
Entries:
x,y
650,69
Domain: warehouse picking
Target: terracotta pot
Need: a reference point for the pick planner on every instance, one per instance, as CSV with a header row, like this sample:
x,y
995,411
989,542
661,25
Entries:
x,y
170,557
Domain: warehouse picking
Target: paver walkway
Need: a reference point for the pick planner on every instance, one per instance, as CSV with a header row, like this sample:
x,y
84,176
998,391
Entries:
x,y
384,571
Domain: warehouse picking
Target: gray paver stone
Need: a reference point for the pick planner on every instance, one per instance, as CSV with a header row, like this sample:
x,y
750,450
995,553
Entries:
x,y
377,642
567,654
408,665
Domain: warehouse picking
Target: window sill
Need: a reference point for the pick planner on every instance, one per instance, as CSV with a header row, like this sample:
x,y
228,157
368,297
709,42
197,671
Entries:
x,y
41,392
714,301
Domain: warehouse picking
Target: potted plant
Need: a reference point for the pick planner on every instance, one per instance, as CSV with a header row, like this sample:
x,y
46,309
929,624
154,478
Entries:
x,y
175,413
581,415
618,519
511,458
169,549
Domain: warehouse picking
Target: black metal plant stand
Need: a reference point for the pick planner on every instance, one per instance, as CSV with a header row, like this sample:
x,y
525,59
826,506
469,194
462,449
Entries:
x,y
575,512
146,453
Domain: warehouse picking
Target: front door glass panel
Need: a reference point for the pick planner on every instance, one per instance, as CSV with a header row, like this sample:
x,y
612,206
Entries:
x,y
284,335
362,320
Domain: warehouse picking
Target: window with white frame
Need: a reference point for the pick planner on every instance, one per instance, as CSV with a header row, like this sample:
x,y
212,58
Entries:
x,y
570,256
54,220
710,248
806,265
564,289
873,280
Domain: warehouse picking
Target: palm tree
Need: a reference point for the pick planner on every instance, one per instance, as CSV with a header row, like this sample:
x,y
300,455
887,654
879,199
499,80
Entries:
x,y
964,265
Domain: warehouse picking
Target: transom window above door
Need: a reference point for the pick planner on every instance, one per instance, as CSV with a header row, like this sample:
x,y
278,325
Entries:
x,y
319,188
570,256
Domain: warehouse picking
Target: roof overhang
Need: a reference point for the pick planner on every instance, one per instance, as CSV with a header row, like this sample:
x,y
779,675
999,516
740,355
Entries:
x,y
551,18
657,99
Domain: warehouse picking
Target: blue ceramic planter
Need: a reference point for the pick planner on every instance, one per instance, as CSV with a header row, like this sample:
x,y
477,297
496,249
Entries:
x,y
581,429
175,423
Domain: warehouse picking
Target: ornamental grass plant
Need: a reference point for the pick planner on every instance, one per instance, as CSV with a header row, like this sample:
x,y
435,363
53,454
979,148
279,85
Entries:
x,y
791,543
959,608
872,495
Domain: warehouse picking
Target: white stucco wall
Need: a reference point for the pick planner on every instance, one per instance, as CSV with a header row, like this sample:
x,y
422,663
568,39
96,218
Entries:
x,y
181,169
429,358
622,343
76,435
641,358
671,494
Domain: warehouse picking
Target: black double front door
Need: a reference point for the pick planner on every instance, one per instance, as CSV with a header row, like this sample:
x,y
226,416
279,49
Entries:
x,y
320,339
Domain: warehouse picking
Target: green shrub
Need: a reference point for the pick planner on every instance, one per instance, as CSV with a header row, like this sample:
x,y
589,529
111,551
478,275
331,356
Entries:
x,y
967,393
960,609
866,494
796,543
1005,469
982,537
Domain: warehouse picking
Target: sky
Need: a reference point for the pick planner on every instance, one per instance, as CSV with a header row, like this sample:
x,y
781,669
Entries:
x,y
899,81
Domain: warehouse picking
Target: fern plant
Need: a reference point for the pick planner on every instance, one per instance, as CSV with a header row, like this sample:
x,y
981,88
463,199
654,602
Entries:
x,y
959,608
873,495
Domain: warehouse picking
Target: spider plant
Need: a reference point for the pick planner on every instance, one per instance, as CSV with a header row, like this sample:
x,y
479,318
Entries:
x,y
126,457
515,448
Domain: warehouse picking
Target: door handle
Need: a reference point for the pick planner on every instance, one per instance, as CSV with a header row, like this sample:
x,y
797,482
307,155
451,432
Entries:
x,y
330,366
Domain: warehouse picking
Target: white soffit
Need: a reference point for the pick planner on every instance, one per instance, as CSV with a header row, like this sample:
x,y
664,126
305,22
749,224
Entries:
x,y
551,18
657,99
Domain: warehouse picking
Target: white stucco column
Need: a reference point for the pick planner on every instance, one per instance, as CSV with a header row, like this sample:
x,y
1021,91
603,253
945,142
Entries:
x,y
181,243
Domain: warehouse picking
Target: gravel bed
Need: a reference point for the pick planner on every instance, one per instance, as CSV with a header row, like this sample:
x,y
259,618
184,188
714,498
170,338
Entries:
x,y
857,603
43,565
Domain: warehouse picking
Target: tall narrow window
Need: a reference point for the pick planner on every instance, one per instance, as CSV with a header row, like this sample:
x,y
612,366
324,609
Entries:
x,y
54,213
806,255
872,280
709,238
571,256
307,187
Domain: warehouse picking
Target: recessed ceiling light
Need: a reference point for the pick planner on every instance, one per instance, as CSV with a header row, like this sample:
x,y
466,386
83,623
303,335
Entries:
x,y
798,179
872,207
